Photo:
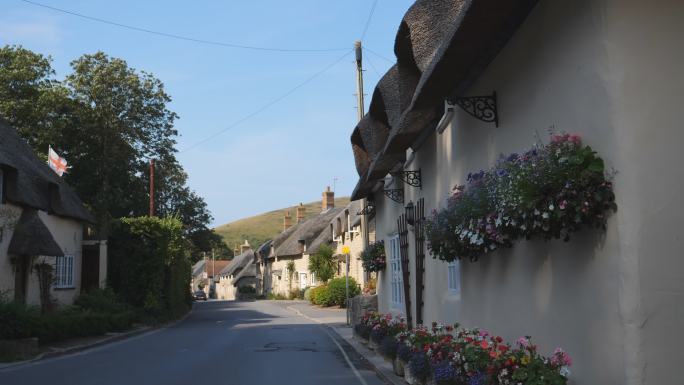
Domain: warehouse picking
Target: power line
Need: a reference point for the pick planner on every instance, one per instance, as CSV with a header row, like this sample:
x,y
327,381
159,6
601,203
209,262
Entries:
x,y
267,105
179,37
373,66
370,16
379,55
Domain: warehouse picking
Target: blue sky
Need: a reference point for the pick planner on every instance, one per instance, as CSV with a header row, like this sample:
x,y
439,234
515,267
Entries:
x,y
284,155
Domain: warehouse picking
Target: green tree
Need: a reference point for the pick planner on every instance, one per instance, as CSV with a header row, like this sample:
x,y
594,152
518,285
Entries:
x,y
107,120
322,263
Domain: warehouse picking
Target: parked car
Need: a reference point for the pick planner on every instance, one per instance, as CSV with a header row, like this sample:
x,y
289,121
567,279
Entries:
x,y
199,295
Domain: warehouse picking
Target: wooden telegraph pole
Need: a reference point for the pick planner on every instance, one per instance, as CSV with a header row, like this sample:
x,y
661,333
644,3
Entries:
x,y
151,187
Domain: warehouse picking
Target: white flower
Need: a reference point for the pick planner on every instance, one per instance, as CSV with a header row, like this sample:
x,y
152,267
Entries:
x,y
551,207
536,212
564,371
545,215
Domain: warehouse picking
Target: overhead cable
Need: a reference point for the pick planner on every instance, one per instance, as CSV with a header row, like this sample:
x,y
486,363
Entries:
x,y
267,105
181,37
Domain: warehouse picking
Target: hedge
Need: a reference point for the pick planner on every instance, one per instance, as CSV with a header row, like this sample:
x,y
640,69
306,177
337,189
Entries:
x,y
334,293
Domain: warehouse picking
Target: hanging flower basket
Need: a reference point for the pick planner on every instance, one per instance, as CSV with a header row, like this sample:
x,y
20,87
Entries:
x,y
549,191
373,258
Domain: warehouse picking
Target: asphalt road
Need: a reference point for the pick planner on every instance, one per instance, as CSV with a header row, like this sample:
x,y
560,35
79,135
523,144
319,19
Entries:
x,y
220,342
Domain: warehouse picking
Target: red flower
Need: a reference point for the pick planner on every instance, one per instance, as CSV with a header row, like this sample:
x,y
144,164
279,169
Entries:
x,y
484,345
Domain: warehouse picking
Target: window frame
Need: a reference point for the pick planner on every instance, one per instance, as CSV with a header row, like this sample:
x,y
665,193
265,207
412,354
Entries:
x,y
396,274
64,272
454,277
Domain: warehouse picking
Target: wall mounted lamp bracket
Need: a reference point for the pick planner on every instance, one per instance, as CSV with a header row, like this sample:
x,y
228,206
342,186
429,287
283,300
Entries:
x,y
483,108
411,178
396,194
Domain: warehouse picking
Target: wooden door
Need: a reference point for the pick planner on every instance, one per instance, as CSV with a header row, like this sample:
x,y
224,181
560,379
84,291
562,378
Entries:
x,y
21,274
90,270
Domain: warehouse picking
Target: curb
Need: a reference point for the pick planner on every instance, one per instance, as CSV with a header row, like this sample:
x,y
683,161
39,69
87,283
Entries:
x,y
94,344
387,375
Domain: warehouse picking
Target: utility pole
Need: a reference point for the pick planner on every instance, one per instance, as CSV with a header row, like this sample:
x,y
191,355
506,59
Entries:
x,y
359,79
151,187
361,113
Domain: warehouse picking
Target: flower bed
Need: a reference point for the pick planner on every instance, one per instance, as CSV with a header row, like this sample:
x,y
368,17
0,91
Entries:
x,y
373,257
449,355
549,191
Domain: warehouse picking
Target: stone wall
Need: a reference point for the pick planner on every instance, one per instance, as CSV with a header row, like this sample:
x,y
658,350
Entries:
x,y
360,305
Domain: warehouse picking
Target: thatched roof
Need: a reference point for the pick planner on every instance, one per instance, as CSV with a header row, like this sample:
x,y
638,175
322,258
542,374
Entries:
x,y
264,251
306,233
248,271
31,183
198,268
238,262
31,237
442,46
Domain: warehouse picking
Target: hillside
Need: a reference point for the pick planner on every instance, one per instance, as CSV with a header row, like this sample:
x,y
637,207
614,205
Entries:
x,y
260,228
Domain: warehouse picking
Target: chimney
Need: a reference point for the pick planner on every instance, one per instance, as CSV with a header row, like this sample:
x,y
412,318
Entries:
x,y
245,247
287,221
236,251
300,213
328,199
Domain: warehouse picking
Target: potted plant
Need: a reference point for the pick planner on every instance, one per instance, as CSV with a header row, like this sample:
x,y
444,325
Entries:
x,y
373,257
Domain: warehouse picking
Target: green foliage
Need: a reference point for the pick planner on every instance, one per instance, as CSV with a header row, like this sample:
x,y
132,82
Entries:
x,y
149,265
307,293
322,263
337,289
246,290
277,296
373,257
16,320
102,301
107,119
320,295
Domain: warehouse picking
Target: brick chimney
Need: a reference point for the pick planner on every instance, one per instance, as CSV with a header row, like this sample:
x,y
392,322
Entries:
x,y
300,213
328,199
244,247
287,221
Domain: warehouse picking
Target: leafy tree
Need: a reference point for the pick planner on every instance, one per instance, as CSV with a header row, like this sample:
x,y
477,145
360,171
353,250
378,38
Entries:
x,y
107,120
322,263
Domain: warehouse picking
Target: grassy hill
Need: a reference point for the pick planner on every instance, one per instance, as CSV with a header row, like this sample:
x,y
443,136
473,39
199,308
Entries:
x,y
260,228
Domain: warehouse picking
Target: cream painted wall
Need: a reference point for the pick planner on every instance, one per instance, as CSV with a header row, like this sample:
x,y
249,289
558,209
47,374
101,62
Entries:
x,y
611,72
356,247
282,286
68,234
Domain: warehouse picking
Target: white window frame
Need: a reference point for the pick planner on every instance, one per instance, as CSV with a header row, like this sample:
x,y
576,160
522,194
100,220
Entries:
x,y
396,274
454,277
64,272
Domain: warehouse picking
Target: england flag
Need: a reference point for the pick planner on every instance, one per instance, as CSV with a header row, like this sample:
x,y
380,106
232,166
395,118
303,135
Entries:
x,y
56,162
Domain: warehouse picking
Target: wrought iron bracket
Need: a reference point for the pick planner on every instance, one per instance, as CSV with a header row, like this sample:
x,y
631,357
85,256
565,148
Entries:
x,y
368,209
395,194
411,178
483,108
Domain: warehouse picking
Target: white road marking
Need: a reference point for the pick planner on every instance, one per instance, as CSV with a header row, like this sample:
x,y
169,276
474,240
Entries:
x,y
346,357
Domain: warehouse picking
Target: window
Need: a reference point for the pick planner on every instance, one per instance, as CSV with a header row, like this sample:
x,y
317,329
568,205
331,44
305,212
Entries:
x,y
64,272
313,279
454,272
396,279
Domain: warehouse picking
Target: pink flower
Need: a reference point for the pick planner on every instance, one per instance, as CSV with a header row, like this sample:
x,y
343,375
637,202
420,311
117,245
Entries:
x,y
484,333
561,358
523,341
575,139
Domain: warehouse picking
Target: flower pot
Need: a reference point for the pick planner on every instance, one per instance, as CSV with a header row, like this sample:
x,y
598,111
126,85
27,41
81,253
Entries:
x,y
398,366
410,378
373,345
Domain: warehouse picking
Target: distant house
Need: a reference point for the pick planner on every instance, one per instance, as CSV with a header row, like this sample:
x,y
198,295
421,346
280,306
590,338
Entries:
x,y
212,269
42,220
345,230
240,272
295,244
199,279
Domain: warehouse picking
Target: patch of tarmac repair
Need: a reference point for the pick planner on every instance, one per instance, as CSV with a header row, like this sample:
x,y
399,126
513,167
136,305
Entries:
x,y
288,347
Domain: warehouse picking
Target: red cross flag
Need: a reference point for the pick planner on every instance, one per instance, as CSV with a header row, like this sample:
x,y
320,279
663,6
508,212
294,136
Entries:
x,y
56,162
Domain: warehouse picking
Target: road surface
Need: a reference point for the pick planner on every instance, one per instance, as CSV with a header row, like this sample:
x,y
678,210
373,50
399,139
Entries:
x,y
220,342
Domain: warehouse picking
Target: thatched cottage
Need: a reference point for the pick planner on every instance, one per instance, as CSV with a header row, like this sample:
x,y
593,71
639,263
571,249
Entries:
x,y
476,79
43,221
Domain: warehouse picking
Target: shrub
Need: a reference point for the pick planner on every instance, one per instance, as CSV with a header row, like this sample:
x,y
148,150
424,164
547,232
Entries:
x,y
276,296
337,289
320,295
101,300
294,294
322,263
246,290
71,323
16,320
307,293
149,266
